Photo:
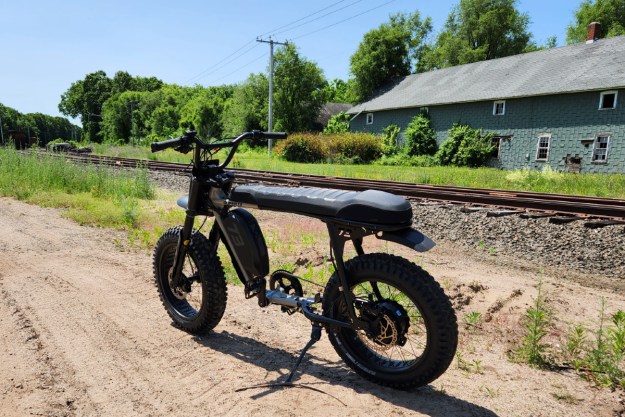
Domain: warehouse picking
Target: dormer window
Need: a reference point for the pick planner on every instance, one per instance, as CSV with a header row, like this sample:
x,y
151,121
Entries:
x,y
607,100
499,108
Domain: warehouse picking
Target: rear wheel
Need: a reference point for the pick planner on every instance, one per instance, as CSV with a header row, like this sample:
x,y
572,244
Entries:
x,y
413,334
199,302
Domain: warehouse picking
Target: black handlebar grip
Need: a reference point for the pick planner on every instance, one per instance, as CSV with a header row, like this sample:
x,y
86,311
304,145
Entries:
x,y
275,135
159,146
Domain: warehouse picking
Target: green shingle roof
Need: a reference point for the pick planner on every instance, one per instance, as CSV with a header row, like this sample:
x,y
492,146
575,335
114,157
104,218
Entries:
x,y
581,67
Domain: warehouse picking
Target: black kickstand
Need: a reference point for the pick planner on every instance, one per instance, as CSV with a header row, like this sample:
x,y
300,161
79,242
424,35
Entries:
x,y
315,335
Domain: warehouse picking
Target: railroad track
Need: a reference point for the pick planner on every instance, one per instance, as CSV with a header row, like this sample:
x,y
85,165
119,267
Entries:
x,y
567,207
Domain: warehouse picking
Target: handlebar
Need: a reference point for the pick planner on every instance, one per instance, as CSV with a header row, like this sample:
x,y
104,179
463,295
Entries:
x,y
184,144
159,146
190,138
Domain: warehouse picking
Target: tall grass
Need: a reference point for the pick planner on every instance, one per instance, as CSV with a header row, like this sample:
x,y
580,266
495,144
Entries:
x,y
23,175
94,195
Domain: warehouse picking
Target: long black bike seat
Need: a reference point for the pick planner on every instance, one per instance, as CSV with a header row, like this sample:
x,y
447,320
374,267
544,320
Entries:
x,y
371,206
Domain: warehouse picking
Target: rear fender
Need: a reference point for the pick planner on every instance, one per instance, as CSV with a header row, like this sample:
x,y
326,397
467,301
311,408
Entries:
x,y
408,237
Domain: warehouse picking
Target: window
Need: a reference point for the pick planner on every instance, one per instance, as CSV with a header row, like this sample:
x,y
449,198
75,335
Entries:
x,y
607,100
600,148
424,110
542,148
496,142
369,118
499,108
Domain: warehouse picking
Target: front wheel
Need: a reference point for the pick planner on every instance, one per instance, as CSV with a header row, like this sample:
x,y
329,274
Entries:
x,y
199,302
412,335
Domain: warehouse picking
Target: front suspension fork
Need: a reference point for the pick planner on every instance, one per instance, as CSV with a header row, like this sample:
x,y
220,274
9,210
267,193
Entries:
x,y
184,240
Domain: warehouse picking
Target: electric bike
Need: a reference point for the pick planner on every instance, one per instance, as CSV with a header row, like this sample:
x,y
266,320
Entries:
x,y
386,317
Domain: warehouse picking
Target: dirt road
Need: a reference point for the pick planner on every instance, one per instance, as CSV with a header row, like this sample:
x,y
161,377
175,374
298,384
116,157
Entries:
x,y
83,333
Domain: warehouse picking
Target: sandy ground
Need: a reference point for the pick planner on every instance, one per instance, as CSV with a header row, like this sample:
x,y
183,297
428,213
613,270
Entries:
x,y
83,333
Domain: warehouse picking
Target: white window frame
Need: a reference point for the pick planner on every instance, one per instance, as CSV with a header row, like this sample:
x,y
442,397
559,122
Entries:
x,y
503,107
605,93
595,149
538,147
369,118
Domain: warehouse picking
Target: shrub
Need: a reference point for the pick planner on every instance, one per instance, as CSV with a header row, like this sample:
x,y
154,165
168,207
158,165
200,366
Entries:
x,y
420,138
339,123
354,148
465,146
389,145
302,147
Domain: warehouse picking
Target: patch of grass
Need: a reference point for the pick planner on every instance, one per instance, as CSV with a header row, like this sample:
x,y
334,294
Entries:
x,y
469,366
565,397
92,195
473,319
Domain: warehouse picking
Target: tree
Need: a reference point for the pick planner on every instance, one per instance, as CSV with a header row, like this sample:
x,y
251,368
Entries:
x,y
298,95
391,50
203,112
86,97
478,30
339,91
248,108
610,13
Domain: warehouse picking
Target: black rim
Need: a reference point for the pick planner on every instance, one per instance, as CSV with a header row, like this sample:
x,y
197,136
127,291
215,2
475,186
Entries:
x,y
186,300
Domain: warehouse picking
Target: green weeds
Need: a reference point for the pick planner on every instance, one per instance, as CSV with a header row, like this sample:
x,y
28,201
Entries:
x,y
536,322
597,352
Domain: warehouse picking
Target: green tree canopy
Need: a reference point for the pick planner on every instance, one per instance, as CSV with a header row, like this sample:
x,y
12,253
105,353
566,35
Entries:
x,y
393,49
299,85
610,13
339,91
248,108
86,97
203,112
45,127
477,30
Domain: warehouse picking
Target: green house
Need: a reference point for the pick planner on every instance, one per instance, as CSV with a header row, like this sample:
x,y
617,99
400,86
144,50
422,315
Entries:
x,y
562,107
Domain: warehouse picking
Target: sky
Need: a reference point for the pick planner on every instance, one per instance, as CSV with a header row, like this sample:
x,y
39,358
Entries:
x,y
46,45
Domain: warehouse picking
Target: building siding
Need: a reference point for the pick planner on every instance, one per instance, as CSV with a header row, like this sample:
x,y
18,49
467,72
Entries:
x,y
568,118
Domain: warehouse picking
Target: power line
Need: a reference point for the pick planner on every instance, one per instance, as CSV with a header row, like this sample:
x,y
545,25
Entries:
x,y
240,68
344,20
223,63
278,31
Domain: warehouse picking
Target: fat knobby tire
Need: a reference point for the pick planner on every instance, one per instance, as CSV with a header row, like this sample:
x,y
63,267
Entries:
x,y
212,281
425,293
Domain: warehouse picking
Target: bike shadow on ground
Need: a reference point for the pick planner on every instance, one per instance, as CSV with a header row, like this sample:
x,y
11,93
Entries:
x,y
425,400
